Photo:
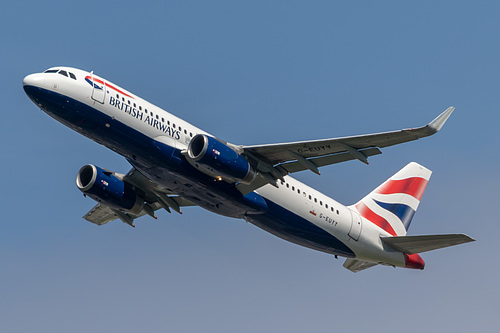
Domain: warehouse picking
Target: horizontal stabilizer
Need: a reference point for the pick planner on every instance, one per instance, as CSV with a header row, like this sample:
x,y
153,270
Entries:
x,y
419,244
355,265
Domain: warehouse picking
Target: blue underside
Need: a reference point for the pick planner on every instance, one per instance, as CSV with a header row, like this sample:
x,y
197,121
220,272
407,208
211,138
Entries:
x,y
281,222
166,166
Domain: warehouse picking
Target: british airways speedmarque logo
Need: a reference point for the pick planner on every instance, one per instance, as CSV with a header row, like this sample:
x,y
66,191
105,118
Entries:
x,y
93,84
99,84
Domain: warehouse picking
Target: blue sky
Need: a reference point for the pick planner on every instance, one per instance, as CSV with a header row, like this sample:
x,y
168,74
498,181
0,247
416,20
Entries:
x,y
252,72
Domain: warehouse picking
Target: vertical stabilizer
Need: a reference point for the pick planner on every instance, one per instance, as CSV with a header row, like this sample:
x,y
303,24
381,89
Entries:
x,y
391,206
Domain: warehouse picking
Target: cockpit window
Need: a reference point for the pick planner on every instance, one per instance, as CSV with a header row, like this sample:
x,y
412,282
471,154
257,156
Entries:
x,y
62,72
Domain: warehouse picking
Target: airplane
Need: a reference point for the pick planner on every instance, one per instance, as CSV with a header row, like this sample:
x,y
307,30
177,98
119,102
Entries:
x,y
175,164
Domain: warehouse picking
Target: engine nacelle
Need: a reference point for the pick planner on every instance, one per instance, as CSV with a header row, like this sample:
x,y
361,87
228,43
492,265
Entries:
x,y
216,159
103,186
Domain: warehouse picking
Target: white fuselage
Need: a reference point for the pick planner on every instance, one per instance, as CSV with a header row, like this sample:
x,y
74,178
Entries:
x,y
293,205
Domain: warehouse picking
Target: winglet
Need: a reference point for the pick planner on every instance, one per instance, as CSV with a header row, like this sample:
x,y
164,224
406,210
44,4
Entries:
x,y
435,125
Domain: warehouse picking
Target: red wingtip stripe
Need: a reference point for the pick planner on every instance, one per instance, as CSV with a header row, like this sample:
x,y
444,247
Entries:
x,y
414,186
376,219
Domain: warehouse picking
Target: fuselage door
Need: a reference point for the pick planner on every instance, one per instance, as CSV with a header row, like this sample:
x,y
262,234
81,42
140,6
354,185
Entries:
x,y
98,89
356,225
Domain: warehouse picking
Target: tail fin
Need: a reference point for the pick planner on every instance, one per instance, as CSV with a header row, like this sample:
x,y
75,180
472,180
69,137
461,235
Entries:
x,y
391,206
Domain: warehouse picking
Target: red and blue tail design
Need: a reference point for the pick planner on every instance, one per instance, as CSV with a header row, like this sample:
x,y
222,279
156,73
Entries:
x,y
391,206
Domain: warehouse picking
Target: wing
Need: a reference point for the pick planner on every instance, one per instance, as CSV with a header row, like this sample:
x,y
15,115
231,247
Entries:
x,y
155,197
277,160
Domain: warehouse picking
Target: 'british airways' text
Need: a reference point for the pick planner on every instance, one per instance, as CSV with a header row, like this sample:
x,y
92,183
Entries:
x,y
145,117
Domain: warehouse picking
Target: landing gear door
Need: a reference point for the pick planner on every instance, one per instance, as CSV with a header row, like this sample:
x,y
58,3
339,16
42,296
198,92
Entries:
x,y
356,224
98,89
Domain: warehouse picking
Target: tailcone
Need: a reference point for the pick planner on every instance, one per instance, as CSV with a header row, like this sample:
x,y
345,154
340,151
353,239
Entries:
x,y
414,261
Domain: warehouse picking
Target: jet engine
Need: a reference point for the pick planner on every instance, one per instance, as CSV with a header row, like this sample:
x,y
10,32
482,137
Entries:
x,y
218,160
104,186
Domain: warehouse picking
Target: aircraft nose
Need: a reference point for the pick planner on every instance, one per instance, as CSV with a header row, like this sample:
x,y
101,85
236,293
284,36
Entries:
x,y
34,80
33,86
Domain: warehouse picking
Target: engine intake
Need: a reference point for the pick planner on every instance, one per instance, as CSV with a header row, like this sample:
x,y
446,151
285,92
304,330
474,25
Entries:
x,y
103,186
219,160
